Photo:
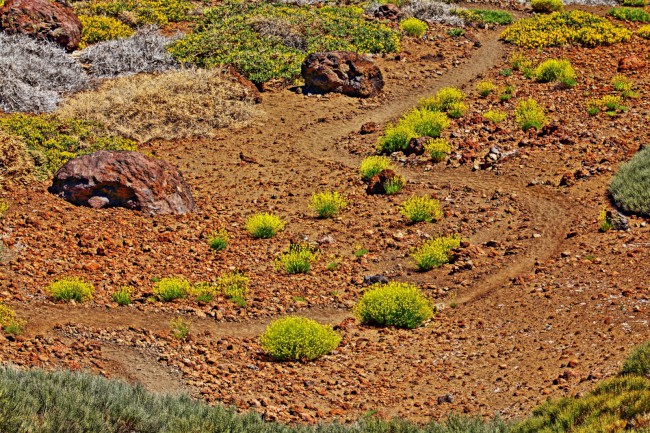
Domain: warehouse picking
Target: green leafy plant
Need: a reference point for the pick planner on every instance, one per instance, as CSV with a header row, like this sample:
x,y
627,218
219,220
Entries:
x,y
204,292
136,12
547,6
556,70
644,32
298,259
444,100
327,203
234,285
633,3
530,115
484,88
438,149
610,104
490,16
373,165
630,14
421,208
604,222
101,28
505,72
298,339
394,185
332,266
4,207
434,252
123,295
456,32
507,93
71,289
264,225
394,304
414,27
360,252
180,328
415,123
630,187
168,289
624,85
9,323
638,362
218,240
495,116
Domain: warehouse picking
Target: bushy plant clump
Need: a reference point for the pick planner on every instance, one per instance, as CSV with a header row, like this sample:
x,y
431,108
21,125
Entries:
x,y
630,187
123,295
9,322
560,28
610,104
421,208
495,116
71,289
433,11
638,362
231,34
644,32
51,141
4,207
394,304
414,27
34,75
137,12
204,292
489,16
298,259
484,88
145,51
434,252
529,114
298,339
98,29
15,161
218,240
372,165
394,185
547,6
444,100
624,85
556,70
180,328
630,14
326,204
169,106
169,289
264,225
633,3
415,123
234,285
438,149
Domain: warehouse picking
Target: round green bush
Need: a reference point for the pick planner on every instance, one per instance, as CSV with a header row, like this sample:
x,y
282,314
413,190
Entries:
x,y
630,187
547,6
414,27
264,225
638,363
394,304
172,288
71,289
298,338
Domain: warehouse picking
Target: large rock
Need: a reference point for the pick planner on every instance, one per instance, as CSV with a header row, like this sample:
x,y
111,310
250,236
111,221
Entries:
x,y
343,72
388,11
630,63
123,179
52,20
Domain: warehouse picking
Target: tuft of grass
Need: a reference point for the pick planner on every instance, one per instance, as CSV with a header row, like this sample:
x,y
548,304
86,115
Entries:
x,y
298,339
644,32
484,88
547,6
169,289
438,149
326,204
624,85
414,27
180,328
421,208
298,259
71,289
234,285
529,114
507,93
4,207
218,240
331,266
360,252
630,14
456,33
604,222
204,292
556,70
169,106
373,165
394,185
630,187
394,304
9,323
264,225
495,116
123,295
444,100
434,252
415,123
505,72
638,362
489,16
610,104
100,28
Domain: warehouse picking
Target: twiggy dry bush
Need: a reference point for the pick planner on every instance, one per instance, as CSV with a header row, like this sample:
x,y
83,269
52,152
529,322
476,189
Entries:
x,y
433,11
34,74
15,161
146,51
174,105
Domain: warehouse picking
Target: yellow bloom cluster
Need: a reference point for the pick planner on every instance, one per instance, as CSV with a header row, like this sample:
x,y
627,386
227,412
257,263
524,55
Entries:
x,y
644,32
559,28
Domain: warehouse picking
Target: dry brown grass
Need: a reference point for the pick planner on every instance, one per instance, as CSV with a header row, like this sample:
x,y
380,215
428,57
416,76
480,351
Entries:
x,y
15,161
173,105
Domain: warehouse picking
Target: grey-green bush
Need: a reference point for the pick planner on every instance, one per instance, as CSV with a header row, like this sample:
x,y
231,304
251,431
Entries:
x,y
630,187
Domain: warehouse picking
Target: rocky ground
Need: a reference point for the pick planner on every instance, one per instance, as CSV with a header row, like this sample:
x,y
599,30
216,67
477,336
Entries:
x,y
539,305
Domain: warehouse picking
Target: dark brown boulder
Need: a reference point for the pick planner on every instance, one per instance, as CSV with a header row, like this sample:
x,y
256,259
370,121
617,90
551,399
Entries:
x,y
388,11
377,183
342,72
630,63
52,20
416,146
123,179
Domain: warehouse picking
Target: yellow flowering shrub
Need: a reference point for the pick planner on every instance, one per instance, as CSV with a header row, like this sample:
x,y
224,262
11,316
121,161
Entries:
x,y
644,32
98,29
396,304
298,339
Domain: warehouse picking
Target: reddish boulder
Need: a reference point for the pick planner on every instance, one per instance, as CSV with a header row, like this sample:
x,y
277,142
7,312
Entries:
x,y
342,72
416,146
52,20
251,90
123,179
630,63
388,11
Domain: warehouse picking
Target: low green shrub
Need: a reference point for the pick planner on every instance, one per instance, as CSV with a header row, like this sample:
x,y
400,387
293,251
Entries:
x,y
180,328
495,116
298,259
264,225
507,93
326,204
137,12
71,289
438,149
490,16
624,85
218,240
630,14
456,32
298,339
604,221
421,208
529,114
415,123
630,187
373,165
547,6
644,32
394,185
414,27
99,28
168,289
610,104
633,3
444,100
434,252
484,88
234,285
394,304
556,70
9,322
123,295
204,292
638,362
